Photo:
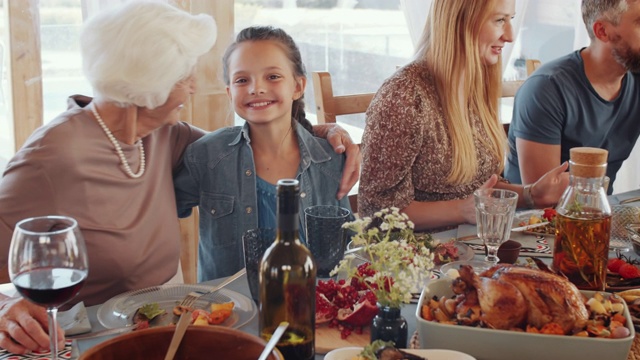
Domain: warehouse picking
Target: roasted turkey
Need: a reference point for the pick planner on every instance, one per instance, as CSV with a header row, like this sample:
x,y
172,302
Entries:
x,y
512,296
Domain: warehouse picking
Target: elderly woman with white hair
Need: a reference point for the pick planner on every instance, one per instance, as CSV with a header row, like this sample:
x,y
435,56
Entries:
x,y
108,161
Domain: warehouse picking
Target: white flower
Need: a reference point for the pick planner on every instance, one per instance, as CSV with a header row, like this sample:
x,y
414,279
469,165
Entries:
x,y
397,254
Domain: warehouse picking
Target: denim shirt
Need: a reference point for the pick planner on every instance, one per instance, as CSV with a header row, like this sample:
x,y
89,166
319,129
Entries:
x,y
219,176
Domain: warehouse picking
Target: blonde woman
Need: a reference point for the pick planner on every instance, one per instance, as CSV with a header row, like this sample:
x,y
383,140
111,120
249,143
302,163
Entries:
x,y
433,135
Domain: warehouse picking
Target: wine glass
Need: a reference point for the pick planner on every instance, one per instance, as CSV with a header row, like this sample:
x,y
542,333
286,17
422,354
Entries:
x,y
494,214
48,264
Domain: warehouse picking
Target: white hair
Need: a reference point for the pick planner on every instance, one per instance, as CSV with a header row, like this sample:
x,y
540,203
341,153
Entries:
x,y
135,53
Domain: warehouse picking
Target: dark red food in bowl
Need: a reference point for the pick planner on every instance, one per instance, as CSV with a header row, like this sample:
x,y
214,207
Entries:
x,y
199,343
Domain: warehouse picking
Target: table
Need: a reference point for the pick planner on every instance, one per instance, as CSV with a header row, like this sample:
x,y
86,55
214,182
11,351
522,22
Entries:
x,y
241,286
408,311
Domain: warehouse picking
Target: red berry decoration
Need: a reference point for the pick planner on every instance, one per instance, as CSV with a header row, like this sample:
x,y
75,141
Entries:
x,y
614,264
629,271
549,214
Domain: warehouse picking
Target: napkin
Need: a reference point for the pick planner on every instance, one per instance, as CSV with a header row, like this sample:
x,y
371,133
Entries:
x,y
75,320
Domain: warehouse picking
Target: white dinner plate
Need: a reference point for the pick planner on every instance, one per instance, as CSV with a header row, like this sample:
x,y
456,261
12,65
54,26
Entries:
x,y
118,311
465,252
524,216
349,353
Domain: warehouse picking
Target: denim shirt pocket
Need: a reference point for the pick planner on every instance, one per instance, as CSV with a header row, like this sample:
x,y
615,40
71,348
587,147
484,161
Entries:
x,y
218,220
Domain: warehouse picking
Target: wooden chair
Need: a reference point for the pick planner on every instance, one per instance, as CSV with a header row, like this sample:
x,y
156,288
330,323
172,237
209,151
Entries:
x,y
509,88
532,65
328,106
189,247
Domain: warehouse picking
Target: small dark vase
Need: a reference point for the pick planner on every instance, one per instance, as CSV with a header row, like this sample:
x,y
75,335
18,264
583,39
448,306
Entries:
x,y
390,325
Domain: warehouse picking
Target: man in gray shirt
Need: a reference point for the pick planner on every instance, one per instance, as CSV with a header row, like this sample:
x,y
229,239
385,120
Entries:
x,y
587,98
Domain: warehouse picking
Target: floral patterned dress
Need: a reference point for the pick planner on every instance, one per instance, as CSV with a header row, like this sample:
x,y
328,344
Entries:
x,y
407,153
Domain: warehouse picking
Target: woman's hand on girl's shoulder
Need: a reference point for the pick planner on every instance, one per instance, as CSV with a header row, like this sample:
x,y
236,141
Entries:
x,y
342,143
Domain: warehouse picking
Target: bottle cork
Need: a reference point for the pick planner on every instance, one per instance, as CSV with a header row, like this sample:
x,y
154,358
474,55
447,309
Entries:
x,y
588,161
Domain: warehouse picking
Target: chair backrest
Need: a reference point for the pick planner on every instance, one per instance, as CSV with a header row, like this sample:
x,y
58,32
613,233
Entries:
x,y
509,88
532,65
328,106
189,247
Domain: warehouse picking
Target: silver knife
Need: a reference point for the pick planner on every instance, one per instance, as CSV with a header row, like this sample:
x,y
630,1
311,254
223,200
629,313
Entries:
x,y
106,332
529,227
630,200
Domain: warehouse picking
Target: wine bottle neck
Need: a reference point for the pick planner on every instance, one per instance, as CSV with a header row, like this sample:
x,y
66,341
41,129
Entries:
x,y
287,209
288,227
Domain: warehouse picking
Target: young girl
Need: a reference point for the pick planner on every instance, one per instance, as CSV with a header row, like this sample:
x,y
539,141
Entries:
x,y
231,173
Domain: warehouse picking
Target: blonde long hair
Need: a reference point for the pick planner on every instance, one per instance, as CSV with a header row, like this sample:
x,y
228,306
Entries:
x,y
449,44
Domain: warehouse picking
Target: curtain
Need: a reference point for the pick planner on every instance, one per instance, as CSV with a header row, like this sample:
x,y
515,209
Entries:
x,y
415,13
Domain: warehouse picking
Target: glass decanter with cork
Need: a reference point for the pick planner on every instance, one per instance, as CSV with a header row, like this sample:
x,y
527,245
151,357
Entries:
x,y
583,223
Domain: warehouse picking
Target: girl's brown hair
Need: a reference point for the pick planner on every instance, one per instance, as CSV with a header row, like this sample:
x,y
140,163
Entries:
x,y
262,33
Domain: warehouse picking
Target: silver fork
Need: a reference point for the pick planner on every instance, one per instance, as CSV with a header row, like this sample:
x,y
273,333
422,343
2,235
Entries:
x,y
193,296
187,302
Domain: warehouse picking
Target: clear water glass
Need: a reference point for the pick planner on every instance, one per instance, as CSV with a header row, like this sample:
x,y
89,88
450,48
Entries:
x,y
494,215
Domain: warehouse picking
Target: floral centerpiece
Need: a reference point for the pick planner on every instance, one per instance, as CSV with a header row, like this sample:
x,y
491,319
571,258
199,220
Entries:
x,y
399,258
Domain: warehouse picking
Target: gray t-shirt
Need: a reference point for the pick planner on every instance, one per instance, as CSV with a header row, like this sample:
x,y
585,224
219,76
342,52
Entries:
x,y
558,105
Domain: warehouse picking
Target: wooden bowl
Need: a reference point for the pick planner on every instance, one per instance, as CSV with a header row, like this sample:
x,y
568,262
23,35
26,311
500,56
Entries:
x,y
199,343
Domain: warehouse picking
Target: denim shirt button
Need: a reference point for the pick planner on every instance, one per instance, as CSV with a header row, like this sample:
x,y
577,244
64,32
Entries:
x,y
213,211
248,172
303,195
249,210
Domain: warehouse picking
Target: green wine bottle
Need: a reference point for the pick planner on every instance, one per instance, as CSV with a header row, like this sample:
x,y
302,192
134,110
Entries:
x,y
288,280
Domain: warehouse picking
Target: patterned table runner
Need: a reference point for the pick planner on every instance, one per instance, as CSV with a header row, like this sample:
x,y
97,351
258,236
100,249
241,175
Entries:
x,y
532,245
64,354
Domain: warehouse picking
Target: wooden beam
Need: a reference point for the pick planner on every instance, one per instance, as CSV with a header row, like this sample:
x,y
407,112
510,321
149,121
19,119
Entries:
x,y
25,68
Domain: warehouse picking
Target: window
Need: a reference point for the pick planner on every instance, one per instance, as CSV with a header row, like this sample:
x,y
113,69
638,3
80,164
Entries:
x,y
61,66
60,24
359,42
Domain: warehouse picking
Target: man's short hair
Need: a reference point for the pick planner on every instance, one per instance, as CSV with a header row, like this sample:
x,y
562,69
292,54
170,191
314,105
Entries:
x,y
610,10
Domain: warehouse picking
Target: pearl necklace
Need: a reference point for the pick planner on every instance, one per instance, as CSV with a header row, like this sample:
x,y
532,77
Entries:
x,y
114,141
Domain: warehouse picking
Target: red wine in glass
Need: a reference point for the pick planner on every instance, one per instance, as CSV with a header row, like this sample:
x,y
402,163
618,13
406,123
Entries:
x,y
48,264
50,287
